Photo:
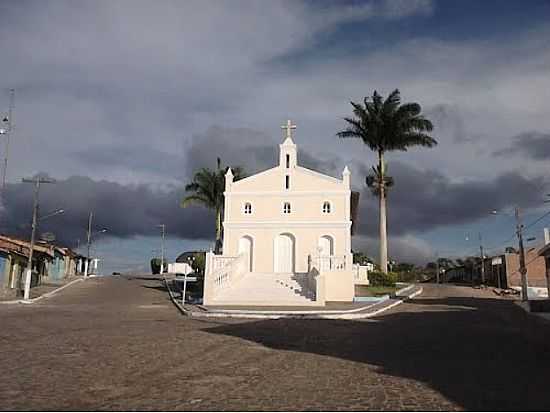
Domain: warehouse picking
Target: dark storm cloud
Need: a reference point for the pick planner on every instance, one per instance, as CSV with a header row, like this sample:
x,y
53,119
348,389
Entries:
x,y
136,157
125,210
534,145
130,210
253,150
447,118
244,147
422,200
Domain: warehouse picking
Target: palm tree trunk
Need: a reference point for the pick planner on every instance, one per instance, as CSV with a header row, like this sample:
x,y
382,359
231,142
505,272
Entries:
x,y
218,246
382,202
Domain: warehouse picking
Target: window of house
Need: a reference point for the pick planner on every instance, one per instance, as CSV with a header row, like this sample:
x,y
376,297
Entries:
x,y
326,207
248,208
286,208
288,161
287,182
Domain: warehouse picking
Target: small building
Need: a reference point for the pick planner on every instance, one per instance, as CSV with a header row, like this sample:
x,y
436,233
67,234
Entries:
x,y
15,253
50,263
187,256
544,252
503,270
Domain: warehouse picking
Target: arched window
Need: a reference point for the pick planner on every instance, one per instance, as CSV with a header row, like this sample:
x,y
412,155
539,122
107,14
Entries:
x,y
326,207
286,208
248,208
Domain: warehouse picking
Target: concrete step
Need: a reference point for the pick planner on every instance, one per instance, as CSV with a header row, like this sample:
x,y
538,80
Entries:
x,y
266,288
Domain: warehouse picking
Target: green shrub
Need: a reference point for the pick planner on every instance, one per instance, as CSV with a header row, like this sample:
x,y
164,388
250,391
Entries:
x,y
155,265
379,279
407,277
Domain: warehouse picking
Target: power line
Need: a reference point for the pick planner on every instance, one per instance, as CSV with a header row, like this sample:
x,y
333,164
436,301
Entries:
x,y
525,227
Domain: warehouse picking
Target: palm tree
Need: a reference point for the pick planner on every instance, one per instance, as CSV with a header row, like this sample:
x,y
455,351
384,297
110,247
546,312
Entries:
x,y
208,187
387,125
377,177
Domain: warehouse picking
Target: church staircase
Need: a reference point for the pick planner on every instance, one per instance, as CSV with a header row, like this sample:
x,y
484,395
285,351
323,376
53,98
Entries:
x,y
267,289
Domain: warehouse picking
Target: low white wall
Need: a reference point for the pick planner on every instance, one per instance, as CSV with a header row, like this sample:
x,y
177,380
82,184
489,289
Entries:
x,y
534,293
339,285
179,268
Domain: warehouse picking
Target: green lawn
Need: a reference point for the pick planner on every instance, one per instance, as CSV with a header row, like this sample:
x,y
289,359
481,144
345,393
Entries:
x,y
370,291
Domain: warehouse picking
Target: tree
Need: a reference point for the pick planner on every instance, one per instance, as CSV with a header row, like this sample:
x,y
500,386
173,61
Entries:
x,y
404,267
446,263
384,126
199,262
208,187
360,258
155,265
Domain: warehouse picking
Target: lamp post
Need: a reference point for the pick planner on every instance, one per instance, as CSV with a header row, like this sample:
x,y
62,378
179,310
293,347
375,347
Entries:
x,y
482,257
522,267
190,260
37,181
8,121
89,237
163,233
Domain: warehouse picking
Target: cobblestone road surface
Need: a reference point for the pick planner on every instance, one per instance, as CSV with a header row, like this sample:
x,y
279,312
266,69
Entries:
x,y
119,344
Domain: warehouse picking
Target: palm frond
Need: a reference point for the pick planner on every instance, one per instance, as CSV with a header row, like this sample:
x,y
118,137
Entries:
x,y
388,125
420,139
194,199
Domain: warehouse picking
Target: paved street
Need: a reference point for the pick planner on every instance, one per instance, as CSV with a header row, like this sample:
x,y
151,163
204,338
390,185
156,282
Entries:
x,y
118,343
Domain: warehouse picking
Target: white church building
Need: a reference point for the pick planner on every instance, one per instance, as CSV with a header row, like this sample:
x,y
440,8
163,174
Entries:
x,y
287,238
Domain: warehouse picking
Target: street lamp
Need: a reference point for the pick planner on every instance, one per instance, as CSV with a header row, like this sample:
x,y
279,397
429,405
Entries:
x,y
163,234
522,267
190,260
482,257
37,181
89,236
52,214
94,234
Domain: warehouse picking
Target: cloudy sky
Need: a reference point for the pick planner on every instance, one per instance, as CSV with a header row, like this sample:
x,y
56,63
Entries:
x,y
122,100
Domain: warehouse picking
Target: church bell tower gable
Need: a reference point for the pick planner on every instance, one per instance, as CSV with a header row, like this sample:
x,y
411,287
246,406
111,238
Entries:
x,y
287,150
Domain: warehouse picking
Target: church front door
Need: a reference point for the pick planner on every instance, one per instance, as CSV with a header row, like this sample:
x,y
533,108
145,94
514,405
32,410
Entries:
x,y
284,253
245,247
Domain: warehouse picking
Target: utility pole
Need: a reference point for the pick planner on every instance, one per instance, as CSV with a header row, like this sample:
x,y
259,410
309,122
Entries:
x,y
522,268
437,266
36,181
89,241
8,132
482,260
163,233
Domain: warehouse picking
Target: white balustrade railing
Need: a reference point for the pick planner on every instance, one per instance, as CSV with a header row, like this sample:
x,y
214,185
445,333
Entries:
x,y
360,274
225,271
220,261
330,262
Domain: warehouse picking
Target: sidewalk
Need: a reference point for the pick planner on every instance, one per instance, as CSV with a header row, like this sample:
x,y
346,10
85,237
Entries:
x,y
40,291
334,311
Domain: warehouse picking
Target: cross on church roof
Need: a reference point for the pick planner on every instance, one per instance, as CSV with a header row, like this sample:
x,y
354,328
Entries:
x,y
289,126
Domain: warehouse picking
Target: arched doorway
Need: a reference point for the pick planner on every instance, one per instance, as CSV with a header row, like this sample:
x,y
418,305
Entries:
x,y
246,247
284,253
326,251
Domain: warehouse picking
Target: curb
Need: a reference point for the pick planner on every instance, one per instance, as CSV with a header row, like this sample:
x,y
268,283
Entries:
x,y
34,300
544,317
175,300
353,314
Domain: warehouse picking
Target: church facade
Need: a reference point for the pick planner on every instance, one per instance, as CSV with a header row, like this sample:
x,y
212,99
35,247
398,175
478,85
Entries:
x,y
288,225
